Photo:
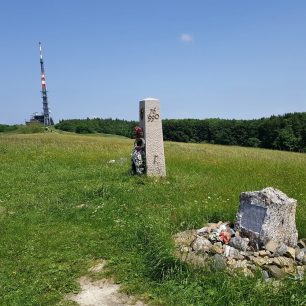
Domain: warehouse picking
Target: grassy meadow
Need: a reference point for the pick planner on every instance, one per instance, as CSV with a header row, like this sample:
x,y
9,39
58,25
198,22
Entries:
x,y
63,206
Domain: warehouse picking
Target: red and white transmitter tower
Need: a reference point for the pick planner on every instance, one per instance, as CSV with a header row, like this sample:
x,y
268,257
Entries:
x,y
46,113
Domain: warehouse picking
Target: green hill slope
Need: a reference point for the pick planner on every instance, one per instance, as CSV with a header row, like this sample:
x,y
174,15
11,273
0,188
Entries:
x,y
62,205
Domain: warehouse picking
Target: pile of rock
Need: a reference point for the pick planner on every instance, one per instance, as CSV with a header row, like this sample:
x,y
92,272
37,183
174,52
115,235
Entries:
x,y
220,246
264,237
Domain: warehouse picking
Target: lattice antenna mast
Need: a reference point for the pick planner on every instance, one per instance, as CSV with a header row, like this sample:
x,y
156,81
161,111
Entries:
x,y
46,111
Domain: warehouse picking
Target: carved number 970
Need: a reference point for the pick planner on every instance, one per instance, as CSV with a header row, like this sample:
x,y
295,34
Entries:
x,y
153,115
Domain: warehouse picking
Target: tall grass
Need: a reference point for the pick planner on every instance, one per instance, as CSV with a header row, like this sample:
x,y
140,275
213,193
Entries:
x,y
62,205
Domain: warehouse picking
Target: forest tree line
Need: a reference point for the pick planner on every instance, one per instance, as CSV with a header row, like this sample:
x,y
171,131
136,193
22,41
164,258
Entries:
x,y
7,128
286,132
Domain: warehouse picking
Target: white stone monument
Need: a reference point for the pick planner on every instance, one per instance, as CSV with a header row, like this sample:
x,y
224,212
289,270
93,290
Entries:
x,y
150,122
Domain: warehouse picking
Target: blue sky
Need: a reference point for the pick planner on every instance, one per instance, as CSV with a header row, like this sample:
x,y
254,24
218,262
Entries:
x,y
202,58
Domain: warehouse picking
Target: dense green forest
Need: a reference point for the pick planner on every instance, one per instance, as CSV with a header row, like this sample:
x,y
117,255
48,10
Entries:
x,y
286,132
107,126
7,128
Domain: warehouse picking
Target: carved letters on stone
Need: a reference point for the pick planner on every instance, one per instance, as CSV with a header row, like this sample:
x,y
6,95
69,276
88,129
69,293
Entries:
x,y
153,115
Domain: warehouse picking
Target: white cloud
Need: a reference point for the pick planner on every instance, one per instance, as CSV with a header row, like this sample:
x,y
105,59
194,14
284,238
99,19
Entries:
x,y
185,37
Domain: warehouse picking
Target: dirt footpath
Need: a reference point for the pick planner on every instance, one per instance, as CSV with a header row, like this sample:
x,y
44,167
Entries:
x,y
101,292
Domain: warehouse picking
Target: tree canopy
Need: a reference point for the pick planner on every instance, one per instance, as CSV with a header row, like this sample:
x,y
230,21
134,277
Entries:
x,y
286,132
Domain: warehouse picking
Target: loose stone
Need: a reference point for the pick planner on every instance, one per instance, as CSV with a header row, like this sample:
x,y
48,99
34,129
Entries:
x,y
201,244
204,231
216,249
264,253
289,270
300,272
272,246
259,261
265,275
238,243
275,271
185,249
281,250
282,261
302,243
290,252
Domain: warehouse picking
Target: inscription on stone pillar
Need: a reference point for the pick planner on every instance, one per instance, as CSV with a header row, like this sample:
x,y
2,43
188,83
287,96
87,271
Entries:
x,y
150,122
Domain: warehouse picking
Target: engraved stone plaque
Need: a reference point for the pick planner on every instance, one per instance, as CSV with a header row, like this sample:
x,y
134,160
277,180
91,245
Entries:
x,y
252,217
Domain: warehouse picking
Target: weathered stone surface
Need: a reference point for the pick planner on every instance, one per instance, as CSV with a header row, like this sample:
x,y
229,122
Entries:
x,y
204,230
185,249
150,122
297,251
238,264
275,271
238,243
201,245
264,253
216,249
219,244
301,254
267,215
232,252
259,261
218,262
185,238
231,262
300,272
281,250
282,261
214,236
241,266
302,243
289,269
290,252
272,246
265,275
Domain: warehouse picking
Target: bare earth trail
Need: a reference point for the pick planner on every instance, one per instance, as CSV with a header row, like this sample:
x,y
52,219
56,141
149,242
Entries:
x,y
101,292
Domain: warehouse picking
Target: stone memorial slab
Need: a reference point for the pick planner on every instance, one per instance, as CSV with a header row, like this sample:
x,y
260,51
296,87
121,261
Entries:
x,y
267,215
253,216
150,122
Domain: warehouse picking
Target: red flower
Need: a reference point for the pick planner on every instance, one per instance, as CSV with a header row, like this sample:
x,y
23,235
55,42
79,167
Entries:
x,y
138,131
225,237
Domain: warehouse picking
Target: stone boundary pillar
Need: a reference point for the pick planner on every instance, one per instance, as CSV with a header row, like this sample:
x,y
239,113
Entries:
x,y
150,122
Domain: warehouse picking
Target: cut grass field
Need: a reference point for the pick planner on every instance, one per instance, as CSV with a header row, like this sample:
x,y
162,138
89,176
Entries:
x,y
62,206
